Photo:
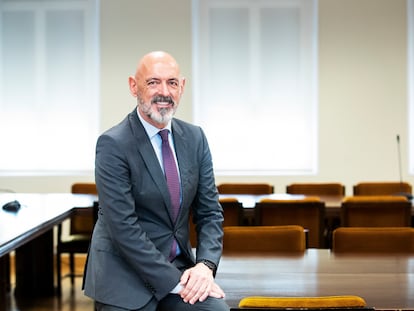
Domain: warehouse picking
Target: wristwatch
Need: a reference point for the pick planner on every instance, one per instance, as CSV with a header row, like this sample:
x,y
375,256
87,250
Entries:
x,y
209,264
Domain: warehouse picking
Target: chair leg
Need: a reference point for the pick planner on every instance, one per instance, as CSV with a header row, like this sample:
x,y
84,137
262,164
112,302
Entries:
x,y
5,285
59,274
72,268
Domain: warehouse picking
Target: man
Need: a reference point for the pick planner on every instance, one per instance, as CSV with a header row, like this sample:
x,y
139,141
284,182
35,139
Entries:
x,y
140,256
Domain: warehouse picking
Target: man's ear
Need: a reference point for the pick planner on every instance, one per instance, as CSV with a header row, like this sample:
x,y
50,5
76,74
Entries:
x,y
182,86
133,88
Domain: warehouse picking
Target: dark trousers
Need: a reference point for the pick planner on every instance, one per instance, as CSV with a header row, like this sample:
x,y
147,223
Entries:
x,y
173,302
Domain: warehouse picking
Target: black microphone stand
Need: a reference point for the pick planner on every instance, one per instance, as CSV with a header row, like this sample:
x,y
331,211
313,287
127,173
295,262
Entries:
x,y
409,196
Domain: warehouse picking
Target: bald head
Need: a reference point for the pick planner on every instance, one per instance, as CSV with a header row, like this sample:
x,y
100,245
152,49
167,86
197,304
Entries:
x,y
154,59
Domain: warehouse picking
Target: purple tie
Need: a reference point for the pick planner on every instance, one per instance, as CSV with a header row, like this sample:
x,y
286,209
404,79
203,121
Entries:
x,y
171,173
173,182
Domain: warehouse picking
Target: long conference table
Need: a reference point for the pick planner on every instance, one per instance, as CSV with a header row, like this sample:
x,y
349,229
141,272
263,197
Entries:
x,y
385,282
29,232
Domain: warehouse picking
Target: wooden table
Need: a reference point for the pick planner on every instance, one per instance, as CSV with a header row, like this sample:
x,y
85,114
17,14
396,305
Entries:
x,y
30,233
249,201
385,282
332,202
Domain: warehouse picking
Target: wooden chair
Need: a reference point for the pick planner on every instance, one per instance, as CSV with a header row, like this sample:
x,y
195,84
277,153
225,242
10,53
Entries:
x,y
308,213
345,302
233,216
323,190
245,188
375,211
263,240
382,188
327,189
81,226
378,240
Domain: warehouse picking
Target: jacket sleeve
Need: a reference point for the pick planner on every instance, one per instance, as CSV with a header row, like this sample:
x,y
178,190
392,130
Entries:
x,y
206,210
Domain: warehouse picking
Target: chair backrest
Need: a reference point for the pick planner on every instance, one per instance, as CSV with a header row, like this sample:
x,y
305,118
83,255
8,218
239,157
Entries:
x,y
375,211
334,189
233,212
308,212
233,216
382,188
263,240
82,222
84,188
245,188
350,302
378,240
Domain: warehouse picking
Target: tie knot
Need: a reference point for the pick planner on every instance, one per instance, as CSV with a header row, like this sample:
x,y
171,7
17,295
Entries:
x,y
164,134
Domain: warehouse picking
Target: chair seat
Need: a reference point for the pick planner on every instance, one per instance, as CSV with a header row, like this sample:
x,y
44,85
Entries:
x,y
303,302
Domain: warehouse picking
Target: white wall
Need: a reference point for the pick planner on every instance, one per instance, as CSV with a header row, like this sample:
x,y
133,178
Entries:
x,y
362,84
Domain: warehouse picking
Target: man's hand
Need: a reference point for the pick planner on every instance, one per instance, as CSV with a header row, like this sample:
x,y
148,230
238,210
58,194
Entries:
x,y
198,283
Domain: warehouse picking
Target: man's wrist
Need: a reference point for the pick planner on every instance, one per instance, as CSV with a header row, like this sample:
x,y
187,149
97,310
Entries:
x,y
211,265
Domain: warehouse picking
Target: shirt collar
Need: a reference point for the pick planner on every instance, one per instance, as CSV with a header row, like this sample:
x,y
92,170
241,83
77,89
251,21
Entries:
x,y
151,129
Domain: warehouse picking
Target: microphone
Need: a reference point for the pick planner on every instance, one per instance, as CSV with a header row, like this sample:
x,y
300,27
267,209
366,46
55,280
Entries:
x,y
402,192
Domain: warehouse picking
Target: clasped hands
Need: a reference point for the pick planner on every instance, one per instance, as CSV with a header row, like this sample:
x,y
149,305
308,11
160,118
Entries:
x,y
198,283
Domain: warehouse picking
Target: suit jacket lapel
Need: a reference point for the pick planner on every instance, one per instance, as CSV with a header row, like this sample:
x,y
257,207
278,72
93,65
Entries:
x,y
145,149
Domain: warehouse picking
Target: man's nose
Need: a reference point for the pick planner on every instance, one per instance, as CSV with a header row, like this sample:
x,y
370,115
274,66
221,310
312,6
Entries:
x,y
164,90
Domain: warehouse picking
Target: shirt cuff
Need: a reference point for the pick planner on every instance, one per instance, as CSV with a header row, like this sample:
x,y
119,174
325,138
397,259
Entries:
x,y
176,289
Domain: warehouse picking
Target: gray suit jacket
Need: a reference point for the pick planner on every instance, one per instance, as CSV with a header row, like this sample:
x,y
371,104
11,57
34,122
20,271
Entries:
x,y
128,259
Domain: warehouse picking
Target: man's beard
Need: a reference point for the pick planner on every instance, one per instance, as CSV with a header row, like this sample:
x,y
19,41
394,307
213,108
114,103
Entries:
x,y
159,115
